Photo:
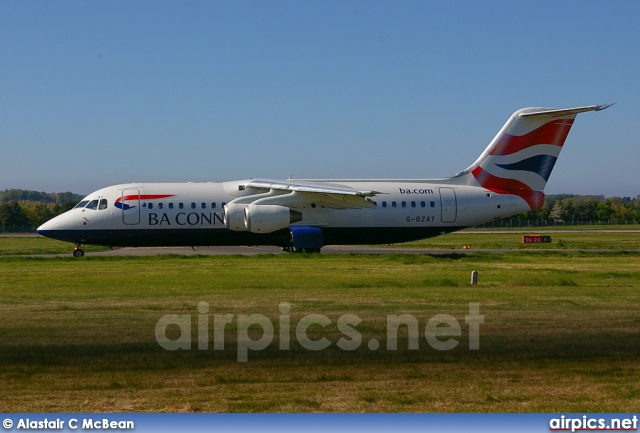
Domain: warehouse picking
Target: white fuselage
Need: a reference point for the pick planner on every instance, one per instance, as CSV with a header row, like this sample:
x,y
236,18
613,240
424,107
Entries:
x,y
142,214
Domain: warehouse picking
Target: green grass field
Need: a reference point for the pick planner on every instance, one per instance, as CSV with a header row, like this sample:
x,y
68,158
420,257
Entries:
x,y
25,245
561,333
510,240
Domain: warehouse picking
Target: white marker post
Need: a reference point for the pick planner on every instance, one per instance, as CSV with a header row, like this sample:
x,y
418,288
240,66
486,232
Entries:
x,y
474,278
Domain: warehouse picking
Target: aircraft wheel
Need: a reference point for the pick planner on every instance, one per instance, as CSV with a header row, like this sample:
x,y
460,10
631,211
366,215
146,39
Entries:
x,y
311,250
78,252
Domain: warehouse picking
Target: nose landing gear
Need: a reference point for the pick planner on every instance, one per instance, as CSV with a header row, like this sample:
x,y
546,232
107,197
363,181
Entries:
x,y
78,251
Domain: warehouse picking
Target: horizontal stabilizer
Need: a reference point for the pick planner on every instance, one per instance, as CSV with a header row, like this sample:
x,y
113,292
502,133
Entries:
x,y
565,111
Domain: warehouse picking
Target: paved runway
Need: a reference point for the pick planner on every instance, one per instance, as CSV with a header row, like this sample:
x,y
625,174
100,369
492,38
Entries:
x,y
250,251
244,251
331,249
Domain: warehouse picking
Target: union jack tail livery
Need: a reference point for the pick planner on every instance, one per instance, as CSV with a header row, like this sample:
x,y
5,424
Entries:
x,y
520,158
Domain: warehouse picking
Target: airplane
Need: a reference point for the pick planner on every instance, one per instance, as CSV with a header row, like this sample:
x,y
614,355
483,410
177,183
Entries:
x,y
508,178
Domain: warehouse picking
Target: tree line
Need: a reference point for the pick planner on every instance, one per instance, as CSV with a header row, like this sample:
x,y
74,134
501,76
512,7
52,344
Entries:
x,y
24,210
21,195
596,208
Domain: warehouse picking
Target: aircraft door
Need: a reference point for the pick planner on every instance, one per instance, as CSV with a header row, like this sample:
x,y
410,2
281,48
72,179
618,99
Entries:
x,y
448,205
130,206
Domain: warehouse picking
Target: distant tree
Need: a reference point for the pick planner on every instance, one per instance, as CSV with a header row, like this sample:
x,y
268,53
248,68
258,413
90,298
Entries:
x,y
64,197
621,212
37,213
65,206
604,211
11,214
586,209
557,212
543,212
569,207
636,204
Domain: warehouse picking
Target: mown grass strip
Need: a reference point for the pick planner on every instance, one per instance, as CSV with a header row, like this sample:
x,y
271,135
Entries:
x,y
509,240
36,245
560,333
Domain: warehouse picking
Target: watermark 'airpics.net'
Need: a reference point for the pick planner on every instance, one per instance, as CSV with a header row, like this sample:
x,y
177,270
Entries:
x,y
442,331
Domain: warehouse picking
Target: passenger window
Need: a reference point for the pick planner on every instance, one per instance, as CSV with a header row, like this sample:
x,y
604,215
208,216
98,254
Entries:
x,y
433,204
404,204
213,205
160,205
393,204
423,204
83,203
150,205
384,204
193,205
93,204
181,205
413,204
170,205
103,204
203,205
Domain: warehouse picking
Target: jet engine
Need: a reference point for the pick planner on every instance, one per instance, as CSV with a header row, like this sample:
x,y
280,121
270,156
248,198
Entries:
x,y
233,217
269,218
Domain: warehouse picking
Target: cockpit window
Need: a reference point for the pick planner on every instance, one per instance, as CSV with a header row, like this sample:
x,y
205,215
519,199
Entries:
x,y
103,204
83,203
93,204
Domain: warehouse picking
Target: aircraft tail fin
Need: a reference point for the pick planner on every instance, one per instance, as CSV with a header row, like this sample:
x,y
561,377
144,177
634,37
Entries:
x,y
521,156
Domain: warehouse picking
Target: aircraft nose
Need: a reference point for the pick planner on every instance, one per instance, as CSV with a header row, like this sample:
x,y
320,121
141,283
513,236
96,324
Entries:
x,y
46,227
54,228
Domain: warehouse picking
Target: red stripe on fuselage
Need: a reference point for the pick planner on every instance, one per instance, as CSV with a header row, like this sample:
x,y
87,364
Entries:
x,y
553,133
144,197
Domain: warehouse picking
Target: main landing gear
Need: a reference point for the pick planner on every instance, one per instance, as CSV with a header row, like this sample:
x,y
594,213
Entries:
x,y
78,251
300,250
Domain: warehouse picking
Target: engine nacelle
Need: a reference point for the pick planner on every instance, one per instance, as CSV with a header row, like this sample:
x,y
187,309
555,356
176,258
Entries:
x,y
233,217
269,218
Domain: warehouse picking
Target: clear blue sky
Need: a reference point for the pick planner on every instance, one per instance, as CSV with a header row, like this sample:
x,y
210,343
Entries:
x,y
94,93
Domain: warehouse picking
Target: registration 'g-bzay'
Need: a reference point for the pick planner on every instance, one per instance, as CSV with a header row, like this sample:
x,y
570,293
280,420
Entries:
x,y
304,215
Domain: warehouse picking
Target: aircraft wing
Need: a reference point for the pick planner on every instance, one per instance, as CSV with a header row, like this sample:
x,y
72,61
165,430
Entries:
x,y
293,193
